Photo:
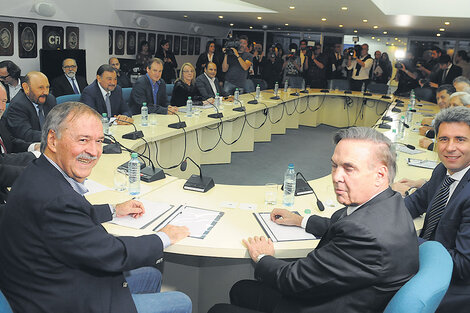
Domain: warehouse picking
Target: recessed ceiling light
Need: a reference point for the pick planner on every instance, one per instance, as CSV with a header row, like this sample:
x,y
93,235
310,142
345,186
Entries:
x,y
251,27
221,16
373,37
185,16
259,18
375,26
355,30
279,28
396,38
378,39
286,24
386,43
447,23
292,7
344,8
405,43
399,40
365,21
385,33
442,29
438,35
231,24
288,34
392,44
341,25
323,19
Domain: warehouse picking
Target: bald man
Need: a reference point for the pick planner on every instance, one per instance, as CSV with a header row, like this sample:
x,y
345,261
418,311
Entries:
x,y
28,110
69,83
122,79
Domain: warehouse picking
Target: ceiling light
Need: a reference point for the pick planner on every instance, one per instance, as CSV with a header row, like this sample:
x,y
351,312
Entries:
x,y
373,37
323,19
185,16
392,44
259,18
355,30
279,28
231,24
341,25
447,23
292,7
365,21
438,35
385,33
378,39
286,24
221,16
344,8
442,29
375,26
251,27
396,38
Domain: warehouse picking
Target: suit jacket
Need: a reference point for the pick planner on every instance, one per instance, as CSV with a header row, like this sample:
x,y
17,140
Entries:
x,y
142,92
8,89
57,257
11,166
93,97
60,85
204,87
453,73
360,262
453,229
11,143
203,59
123,80
22,118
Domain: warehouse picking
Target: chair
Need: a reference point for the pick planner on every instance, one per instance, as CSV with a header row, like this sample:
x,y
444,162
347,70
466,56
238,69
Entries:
x,y
126,94
4,306
424,292
65,98
340,84
169,91
378,88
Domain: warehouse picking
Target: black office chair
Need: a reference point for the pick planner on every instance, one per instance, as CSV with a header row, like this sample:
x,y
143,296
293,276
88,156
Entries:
x,y
340,84
378,88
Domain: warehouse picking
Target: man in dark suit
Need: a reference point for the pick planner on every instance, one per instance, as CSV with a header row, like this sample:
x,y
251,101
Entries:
x,y
56,256
69,83
207,83
10,76
448,211
104,95
122,78
447,72
151,89
28,110
367,250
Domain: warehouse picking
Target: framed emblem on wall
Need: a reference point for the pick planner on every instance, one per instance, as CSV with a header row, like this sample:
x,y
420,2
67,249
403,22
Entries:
x,y
27,40
176,45
52,38
6,38
119,42
131,43
72,37
197,46
184,45
191,46
110,36
152,43
140,37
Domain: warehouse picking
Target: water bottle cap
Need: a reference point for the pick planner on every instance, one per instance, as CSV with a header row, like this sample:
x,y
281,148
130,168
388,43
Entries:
x,y
257,85
105,115
217,94
189,98
144,104
291,165
134,155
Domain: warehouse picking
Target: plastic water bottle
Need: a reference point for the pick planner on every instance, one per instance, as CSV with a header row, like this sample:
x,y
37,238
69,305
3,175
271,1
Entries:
x,y
258,92
105,121
289,186
303,84
276,89
412,99
221,103
217,101
409,116
401,128
236,95
133,170
144,115
189,107
286,85
363,88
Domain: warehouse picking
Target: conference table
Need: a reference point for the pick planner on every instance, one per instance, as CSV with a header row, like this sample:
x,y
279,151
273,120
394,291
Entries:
x,y
205,269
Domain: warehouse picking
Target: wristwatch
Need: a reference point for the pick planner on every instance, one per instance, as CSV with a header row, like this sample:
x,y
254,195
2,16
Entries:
x,y
410,191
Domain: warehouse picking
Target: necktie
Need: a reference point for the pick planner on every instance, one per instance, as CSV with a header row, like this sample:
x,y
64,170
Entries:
x,y
444,75
4,149
108,104
74,86
41,115
437,208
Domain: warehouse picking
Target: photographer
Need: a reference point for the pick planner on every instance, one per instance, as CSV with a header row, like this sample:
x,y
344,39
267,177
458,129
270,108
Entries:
x,y
236,64
292,69
272,68
316,72
361,67
406,75
258,58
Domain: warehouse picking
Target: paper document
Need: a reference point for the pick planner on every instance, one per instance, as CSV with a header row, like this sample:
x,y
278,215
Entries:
x,y
405,149
278,232
94,187
153,210
199,221
422,163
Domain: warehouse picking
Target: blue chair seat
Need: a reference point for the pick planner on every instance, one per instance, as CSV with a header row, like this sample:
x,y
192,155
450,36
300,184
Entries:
x,y
169,92
126,94
66,98
4,306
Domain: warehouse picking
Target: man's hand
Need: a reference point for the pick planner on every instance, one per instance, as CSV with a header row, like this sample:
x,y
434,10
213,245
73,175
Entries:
x,y
424,129
210,100
172,109
427,121
400,187
122,119
425,142
132,207
259,245
418,183
175,233
285,217
235,51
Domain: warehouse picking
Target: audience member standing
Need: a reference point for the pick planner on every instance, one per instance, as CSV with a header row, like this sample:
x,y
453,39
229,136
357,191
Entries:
x,y
143,56
272,69
360,66
169,61
335,63
462,60
386,67
236,64
316,74
207,56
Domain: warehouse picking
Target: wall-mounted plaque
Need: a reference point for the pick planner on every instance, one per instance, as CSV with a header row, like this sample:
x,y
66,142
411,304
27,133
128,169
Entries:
x,y
197,46
52,38
131,42
110,37
191,46
140,37
72,37
27,40
184,45
170,39
6,38
176,45
152,43
119,42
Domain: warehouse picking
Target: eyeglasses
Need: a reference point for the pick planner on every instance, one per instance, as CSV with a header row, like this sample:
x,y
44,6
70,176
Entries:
x,y
190,71
68,67
4,77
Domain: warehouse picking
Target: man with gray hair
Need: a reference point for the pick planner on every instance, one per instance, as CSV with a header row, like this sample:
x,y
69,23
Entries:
x,y
459,98
445,199
367,251
69,83
462,83
56,256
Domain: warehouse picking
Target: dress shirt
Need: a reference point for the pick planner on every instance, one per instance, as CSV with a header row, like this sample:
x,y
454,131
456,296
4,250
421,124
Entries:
x,y
82,190
74,82
212,83
104,93
364,72
210,57
458,177
445,72
14,89
155,87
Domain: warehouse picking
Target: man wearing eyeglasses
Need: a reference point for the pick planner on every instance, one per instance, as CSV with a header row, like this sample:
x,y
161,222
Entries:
x,y
10,76
69,83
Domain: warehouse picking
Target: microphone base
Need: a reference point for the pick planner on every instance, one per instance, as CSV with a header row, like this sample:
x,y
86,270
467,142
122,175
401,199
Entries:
x,y
112,148
387,118
367,94
399,105
396,110
347,92
253,102
304,91
386,97
302,188
177,125
325,90
275,98
133,135
385,126
198,183
295,94
215,115
149,174
239,109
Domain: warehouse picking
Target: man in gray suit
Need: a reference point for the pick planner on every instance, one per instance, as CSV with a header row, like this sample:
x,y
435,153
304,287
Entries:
x,y
207,84
367,251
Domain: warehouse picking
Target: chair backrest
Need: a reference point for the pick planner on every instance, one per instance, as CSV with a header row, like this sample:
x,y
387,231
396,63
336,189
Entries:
x,y
4,306
424,292
378,88
169,91
340,84
65,98
126,94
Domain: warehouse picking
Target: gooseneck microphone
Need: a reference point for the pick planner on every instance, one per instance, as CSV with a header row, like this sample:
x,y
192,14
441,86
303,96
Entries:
x,y
179,124
196,182
254,101
215,115
136,134
241,108
303,188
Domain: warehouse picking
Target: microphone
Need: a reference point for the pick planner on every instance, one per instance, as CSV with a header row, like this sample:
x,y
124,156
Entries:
x,y
325,90
306,189
196,182
111,147
241,108
136,134
179,124
148,174
254,101
215,115
296,93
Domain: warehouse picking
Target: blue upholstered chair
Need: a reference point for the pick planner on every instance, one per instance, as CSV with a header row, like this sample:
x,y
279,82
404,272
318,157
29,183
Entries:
x,y
4,306
73,97
424,292
340,84
169,91
126,94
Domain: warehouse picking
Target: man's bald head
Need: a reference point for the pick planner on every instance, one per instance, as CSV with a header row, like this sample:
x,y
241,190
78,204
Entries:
x,y
36,87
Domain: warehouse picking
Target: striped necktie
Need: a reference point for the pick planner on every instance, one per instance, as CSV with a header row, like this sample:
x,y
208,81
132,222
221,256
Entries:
x,y
437,208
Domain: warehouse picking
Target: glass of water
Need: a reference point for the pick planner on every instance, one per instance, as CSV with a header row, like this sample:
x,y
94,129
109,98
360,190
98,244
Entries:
x,y
270,194
120,180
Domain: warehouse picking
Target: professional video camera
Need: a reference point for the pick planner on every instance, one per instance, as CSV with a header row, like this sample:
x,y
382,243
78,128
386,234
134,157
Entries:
x,y
351,51
398,65
231,44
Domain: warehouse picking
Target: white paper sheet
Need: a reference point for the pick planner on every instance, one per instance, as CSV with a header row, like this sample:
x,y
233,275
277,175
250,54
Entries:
x,y
153,210
282,232
405,149
94,187
422,163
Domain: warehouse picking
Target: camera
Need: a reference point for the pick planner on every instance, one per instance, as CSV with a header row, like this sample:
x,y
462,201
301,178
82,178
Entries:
x,y
398,65
351,52
231,44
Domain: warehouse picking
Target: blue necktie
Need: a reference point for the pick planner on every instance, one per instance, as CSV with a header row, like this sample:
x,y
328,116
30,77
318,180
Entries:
x,y
41,115
74,86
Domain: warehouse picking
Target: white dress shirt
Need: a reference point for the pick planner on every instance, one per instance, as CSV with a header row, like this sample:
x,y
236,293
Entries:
x,y
212,83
